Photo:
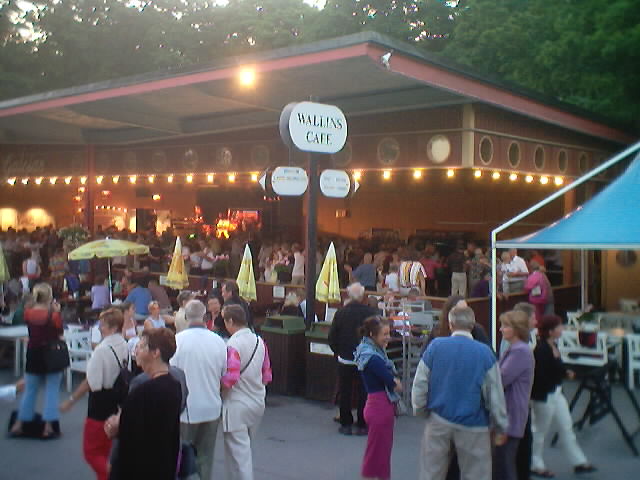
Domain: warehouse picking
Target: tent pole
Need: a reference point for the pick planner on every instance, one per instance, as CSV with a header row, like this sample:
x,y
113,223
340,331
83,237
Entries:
x,y
110,284
583,281
494,290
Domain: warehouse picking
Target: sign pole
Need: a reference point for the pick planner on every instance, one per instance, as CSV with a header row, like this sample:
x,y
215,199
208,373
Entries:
x,y
312,239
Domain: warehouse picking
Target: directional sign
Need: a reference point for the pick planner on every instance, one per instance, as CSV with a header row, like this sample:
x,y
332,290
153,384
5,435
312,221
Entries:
x,y
335,183
289,181
313,127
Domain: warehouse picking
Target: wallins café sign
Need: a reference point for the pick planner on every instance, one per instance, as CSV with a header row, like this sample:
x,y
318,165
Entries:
x,y
313,127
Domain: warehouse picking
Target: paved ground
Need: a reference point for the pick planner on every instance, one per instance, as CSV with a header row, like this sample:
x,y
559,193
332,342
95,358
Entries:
x,y
298,440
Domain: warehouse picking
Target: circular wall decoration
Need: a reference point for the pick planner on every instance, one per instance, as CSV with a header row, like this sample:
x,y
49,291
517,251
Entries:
x,y
388,151
190,160
260,156
513,154
438,149
343,157
485,150
563,161
539,157
626,258
158,160
224,158
130,162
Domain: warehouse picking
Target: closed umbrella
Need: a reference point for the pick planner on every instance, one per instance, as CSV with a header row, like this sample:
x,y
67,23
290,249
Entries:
x,y
328,286
246,281
107,248
177,275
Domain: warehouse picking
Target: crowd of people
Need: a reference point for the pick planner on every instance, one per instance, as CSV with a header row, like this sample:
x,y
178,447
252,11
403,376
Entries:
x,y
192,377
472,397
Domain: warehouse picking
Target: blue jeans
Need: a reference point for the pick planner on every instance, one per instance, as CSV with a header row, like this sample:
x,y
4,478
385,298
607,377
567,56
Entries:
x,y
33,382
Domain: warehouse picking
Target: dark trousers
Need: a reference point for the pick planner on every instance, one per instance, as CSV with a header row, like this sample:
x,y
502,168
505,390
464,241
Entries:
x,y
523,455
349,378
504,460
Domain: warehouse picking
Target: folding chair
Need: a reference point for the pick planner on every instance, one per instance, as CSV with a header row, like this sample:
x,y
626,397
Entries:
x,y
79,345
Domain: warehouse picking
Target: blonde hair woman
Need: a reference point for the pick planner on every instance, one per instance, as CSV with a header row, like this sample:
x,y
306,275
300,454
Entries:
x,y
45,326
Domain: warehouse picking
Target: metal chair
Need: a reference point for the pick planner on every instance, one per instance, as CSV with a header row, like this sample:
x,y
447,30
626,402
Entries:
x,y
633,358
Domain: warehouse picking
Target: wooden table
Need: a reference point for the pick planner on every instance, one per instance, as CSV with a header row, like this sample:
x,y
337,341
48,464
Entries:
x,y
19,334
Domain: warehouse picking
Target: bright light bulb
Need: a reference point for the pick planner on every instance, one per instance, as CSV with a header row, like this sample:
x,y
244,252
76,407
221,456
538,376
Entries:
x,y
38,180
495,175
477,173
417,174
82,189
83,180
254,177
99,179
528,178
133,178
156,197
513,177
357,175
232,177
544,180
190,178
450,173
25,181
11,181
67,180
169,178
115,178
386,174
558,181
247,77
210,177
151,178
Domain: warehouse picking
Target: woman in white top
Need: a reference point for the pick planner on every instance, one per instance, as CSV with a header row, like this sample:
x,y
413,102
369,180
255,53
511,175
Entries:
x,y
31,268
155,320
297,274
105,394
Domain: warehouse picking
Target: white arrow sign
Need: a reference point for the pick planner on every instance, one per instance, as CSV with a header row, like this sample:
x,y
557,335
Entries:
x,y
289,181
335,183
262,180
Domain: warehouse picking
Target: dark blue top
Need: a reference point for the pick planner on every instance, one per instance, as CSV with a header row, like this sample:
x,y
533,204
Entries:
x,y
376,376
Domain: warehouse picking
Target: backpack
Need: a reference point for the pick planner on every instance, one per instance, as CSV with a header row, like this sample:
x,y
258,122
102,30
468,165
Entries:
x,y
125,375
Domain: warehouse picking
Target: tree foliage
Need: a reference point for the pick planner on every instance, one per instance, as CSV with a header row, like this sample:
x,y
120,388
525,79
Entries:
x,y
584,52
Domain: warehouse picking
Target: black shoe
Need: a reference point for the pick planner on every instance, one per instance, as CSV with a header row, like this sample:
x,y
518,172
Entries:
x,y
345,430
362,431
586,468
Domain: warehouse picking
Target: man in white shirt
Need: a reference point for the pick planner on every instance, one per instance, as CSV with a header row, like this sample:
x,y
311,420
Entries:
x,y
202,355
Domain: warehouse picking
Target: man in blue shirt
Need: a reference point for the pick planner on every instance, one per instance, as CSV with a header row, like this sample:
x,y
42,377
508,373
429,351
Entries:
x,y
140,297
459,388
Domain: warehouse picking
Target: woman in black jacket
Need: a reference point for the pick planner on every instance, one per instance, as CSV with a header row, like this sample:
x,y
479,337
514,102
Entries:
x,y
549,403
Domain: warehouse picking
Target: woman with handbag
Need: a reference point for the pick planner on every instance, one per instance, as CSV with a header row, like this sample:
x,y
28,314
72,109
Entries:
x,y
45,362
382,386
539,290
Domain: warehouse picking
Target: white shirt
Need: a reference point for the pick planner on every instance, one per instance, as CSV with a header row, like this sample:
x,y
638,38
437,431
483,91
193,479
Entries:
x,y
392,280
298,265
196,260
518,265
207,260
103,369
202,356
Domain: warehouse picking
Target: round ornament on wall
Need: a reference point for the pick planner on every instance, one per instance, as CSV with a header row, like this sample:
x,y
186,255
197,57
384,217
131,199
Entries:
x,y
190,160
260,156
438,149
388,151
158,160
343,157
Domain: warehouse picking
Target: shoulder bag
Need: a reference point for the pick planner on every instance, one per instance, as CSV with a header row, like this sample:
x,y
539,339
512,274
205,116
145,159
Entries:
x,y
56,353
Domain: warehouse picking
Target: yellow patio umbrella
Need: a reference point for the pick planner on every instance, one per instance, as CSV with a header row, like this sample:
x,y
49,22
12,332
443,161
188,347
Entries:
x,y
328,286
246,280
107,248
4,269
177,276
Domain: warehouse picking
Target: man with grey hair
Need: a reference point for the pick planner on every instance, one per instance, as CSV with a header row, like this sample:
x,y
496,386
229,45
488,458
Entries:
x,y
343,340
459,388
202,355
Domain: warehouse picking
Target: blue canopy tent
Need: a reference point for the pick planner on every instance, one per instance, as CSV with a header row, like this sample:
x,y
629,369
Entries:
x,y
608,221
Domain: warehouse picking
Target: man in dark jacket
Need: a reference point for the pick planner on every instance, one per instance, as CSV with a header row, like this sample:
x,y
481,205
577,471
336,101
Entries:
x,y
231,295
343,339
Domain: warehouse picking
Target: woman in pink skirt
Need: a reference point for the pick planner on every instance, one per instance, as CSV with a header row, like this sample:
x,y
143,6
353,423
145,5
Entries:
x,y
382,386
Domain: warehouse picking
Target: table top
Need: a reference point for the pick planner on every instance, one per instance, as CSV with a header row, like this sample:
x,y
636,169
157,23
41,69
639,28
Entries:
x,y
17,331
